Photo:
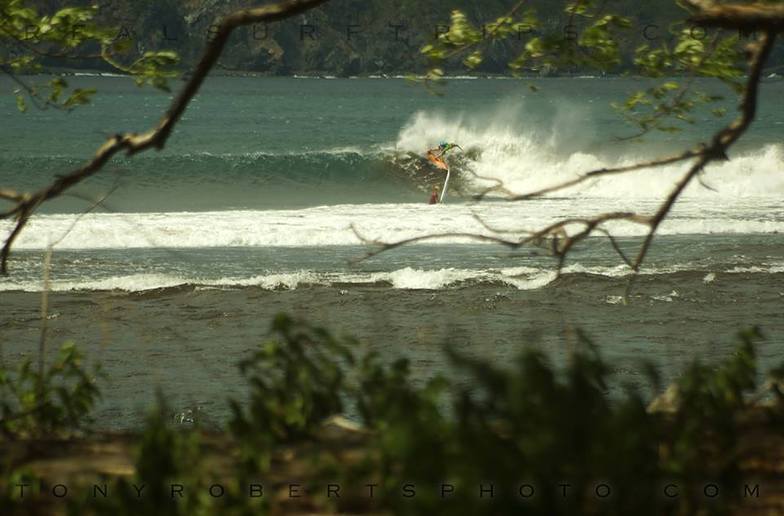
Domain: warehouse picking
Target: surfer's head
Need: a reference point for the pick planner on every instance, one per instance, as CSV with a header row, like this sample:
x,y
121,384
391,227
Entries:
x,y
443,144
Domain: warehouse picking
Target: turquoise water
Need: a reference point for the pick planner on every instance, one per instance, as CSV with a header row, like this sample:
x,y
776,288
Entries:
x,y
300,142
257,202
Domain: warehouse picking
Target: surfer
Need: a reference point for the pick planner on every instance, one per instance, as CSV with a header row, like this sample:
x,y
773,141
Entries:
x,y
434,195
436,155
443,148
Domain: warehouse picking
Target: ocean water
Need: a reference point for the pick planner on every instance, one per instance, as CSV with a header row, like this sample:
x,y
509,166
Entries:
x,y
169,265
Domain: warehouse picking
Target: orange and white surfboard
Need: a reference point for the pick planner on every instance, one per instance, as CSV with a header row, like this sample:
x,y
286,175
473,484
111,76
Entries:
x,y
437,161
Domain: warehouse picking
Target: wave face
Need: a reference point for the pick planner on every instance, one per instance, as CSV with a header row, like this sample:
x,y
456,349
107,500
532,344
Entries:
x,y
300,144
323,148
208,182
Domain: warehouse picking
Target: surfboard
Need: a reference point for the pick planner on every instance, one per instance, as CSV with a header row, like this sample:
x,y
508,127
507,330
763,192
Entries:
x,y
446,183
437,161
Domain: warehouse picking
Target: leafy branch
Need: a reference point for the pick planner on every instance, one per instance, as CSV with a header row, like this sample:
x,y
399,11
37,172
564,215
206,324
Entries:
x,y
69,30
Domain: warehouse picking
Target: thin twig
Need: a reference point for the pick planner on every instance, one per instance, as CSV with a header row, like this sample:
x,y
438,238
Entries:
x,y
31,92
44,321
745,17
716,149
606,171
491,32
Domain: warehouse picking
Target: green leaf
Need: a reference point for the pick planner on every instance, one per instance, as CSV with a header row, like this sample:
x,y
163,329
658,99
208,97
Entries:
x,y
473,60
20,103
79,97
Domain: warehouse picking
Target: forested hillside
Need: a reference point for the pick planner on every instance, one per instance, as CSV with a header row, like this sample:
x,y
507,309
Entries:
x,y
355,37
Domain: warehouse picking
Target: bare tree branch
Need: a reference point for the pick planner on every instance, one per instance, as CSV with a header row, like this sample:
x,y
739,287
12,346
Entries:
x,y
133,143
10,195
746,17
607,172
615,246
715,150
560,241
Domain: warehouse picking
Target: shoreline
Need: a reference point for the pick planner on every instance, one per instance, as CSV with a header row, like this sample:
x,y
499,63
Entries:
x,y
93,72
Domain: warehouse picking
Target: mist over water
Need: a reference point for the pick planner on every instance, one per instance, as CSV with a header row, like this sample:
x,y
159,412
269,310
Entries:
x,y
528,155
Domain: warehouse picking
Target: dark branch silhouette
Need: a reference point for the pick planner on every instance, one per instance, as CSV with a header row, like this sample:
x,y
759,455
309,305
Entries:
x,y
133,143
593,174
717,150
745,17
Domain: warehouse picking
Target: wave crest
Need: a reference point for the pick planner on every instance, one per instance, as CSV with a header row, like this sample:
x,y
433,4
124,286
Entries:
x,y
530,157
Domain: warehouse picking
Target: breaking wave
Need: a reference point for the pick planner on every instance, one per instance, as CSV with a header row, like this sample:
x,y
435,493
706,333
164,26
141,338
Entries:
x,y
522,158
520,278
528,157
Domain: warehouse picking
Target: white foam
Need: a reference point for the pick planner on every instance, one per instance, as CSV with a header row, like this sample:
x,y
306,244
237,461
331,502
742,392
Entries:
x,y
521,278
667,298
97,74
331,225
127,283
406,279
766,268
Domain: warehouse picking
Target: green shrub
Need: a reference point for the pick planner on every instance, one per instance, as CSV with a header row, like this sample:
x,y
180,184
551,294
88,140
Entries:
x,y
49,402
548,440
296,381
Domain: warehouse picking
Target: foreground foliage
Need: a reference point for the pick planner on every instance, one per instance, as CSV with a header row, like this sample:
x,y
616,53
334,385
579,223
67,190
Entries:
x,y
39,400
527,437
29,38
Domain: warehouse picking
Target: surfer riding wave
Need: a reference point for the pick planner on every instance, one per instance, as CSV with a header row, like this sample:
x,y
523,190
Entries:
x,y
437,154
436,157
